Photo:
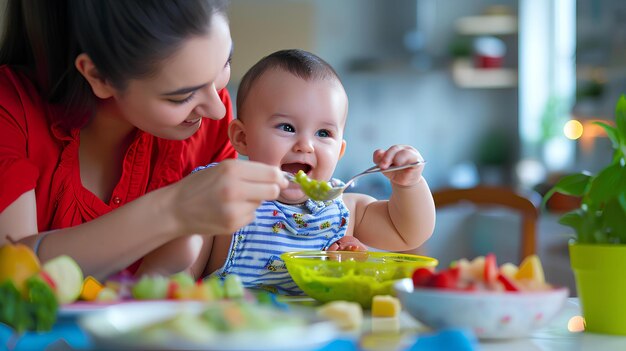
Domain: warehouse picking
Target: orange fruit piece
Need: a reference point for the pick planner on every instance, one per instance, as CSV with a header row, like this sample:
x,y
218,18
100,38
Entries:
x,y
531,269
91,289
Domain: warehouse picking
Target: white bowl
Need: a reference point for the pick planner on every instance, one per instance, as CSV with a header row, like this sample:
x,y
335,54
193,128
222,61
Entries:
x,y
490,315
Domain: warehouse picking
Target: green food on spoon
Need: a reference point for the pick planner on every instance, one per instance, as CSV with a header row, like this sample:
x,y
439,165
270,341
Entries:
x,y
315,189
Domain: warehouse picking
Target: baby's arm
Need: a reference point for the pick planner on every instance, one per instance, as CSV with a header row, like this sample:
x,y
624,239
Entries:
x,y
347,243
407,219
182,254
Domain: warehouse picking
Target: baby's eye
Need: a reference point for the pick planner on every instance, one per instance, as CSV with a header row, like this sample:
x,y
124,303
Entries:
x,y
324,133
286,127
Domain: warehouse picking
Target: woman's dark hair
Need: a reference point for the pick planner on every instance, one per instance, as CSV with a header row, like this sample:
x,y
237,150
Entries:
x,y
126,39
300,63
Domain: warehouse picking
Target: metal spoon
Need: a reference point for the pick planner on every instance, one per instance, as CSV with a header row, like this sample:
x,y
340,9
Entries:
x,y
335,191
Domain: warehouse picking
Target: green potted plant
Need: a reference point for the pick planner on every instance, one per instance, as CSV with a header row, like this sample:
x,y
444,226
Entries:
x,y
598,251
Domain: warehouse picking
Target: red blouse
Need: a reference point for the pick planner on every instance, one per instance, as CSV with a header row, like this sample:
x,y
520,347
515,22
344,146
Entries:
x,y
37,155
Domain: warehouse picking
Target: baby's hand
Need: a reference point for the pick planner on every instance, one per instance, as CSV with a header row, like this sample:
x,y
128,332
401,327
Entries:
x,y
399,155
347,243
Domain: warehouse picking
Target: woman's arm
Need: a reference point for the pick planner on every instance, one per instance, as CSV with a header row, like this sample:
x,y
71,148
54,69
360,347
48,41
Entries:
x,y
216,201
178,255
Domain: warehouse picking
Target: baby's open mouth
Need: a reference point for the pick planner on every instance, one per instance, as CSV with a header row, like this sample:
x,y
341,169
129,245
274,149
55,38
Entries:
x,y
295,167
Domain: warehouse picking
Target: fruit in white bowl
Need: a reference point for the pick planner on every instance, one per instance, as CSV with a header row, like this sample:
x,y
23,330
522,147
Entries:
x,y
494,302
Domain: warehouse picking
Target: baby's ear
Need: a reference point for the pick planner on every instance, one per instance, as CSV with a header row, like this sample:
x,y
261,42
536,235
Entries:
x,y
237,136
343,149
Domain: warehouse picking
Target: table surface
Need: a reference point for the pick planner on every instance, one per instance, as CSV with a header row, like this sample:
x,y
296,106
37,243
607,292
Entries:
x,y
554,337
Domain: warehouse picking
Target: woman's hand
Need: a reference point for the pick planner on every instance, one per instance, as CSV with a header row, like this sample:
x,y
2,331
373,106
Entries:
x,y
399,155
222,199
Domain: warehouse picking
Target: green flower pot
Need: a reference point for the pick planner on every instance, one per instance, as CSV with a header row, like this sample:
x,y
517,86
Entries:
x,y
600,272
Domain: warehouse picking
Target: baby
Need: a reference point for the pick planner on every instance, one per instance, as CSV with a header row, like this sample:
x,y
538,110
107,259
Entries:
x,y
292,110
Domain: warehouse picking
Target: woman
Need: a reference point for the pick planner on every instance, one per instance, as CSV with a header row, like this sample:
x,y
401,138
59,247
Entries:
x,y
105,107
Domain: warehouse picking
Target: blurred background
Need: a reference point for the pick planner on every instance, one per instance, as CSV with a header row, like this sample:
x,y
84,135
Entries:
x,y
496,92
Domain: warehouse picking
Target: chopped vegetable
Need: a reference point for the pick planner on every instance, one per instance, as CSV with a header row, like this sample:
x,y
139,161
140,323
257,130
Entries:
x,y
36,311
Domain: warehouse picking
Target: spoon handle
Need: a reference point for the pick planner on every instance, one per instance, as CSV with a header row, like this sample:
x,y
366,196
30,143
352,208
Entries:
x,y
375,169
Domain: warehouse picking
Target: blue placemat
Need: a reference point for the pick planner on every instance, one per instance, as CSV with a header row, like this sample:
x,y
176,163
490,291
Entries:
x,y
66,335
447,339
63,332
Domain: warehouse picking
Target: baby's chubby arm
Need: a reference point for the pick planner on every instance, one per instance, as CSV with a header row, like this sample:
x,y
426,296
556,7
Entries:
x,y
407,219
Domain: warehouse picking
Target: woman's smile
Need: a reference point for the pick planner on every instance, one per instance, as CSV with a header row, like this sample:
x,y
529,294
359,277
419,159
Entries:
x,y
191,122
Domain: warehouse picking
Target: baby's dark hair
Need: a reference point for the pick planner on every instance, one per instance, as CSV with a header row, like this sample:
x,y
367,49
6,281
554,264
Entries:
x,y
300,63
126,39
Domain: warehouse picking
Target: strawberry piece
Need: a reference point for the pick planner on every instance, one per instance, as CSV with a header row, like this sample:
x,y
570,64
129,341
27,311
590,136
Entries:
x,y
172,290
446,279
491,269
422,277
48,279
508,283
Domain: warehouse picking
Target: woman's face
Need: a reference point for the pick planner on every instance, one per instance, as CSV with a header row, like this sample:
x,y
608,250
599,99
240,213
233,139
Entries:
x,y
172,103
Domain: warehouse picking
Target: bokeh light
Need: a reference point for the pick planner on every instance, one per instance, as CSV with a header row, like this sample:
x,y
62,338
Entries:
x,y
573,129
576,324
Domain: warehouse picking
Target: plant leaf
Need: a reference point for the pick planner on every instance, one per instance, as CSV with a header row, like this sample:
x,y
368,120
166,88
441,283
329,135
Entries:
x,y
572,219
613,221
573,184
606,184
612,133
620,116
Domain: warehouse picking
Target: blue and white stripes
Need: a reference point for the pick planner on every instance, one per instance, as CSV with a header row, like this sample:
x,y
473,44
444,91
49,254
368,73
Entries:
x,y
255,250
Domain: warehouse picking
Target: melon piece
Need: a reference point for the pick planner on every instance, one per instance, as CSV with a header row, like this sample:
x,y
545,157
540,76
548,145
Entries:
x,y
67,277
233,287
216,287
509,270
151,287
107,295
347,315
181,286
477,268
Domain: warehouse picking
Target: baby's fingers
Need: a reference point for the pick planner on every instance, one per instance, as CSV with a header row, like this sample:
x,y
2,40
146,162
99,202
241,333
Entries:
x,y
333,247
396,155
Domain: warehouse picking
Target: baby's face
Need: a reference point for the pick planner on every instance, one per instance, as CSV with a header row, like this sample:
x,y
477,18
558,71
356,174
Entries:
x,y
296,125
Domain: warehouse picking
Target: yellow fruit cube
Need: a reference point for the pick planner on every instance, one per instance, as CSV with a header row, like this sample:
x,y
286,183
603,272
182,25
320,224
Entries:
x,y
531,269
385,306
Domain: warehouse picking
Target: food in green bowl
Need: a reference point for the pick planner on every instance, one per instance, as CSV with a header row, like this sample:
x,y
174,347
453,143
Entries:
x,y
349,275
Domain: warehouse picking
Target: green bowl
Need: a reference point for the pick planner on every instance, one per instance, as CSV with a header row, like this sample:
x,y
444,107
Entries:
x,y
351,275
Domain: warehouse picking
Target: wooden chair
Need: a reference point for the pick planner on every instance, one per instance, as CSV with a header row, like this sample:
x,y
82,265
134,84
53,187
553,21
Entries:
x,y
525,204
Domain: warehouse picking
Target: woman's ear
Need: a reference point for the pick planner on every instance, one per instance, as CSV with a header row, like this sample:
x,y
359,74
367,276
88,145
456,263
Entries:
x,y
237,136
100,87
343,149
